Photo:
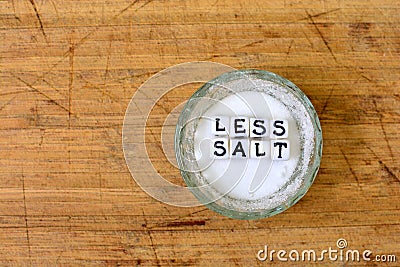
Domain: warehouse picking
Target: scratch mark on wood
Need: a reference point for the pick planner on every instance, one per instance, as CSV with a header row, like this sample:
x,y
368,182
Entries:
x,y
386,168
322,36
308,39
195,212
383,128
112,97
100,182
33,89
145,4
288,51
186,223
35,110
365,77
327,101
147,73
212,6
350,168
178,221
127,7
7,103
157,103
321,14
359,29
131,5
70,81
157,144
151,240
108,60
175,41
215,36
106,68
14,10
13,93
67,53
54,88
39,19
42,133
55,9
26,219
103,91
290,46
383,165
252,43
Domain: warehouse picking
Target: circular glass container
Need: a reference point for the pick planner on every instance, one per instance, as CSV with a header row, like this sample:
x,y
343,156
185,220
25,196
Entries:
x,y
253,83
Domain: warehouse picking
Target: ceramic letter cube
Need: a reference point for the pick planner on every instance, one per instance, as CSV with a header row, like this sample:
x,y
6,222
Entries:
x,y
220,148
239,127
280,149
239,148
258,127
220,125
279,129
259,149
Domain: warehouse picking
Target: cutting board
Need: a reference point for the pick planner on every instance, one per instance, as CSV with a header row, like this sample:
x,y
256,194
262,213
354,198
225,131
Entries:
x,y
68,70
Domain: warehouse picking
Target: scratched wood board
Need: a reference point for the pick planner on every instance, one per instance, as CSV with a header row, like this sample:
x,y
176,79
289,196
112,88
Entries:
x,y
68,70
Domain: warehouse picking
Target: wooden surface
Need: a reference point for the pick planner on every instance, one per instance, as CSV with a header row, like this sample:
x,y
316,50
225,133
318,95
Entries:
x,y
69,69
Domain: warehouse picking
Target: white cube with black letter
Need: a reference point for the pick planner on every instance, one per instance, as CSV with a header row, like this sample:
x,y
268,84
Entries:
x,y
239,127
239,148
258,127
220,148
279,129
220,125
280,149
259,149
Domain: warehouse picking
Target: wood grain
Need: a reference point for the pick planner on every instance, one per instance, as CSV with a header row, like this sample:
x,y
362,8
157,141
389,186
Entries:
x,y
68,70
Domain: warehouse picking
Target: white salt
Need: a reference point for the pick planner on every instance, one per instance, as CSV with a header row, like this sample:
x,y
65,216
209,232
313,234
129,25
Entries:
x,y
249,178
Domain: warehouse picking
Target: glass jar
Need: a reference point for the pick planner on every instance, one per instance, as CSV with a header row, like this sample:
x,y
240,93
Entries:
x,y
246,187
